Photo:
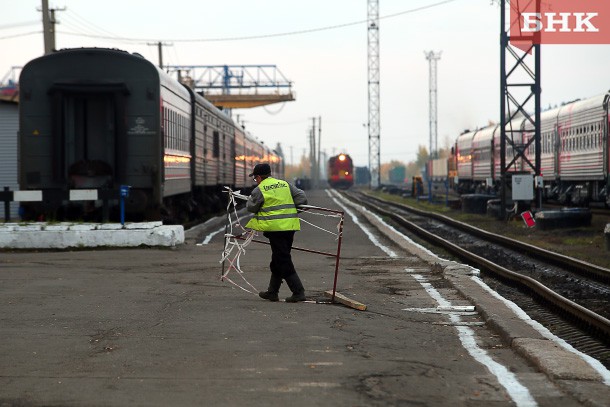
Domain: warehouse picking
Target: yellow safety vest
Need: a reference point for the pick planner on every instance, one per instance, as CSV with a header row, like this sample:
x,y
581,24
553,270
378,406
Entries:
x,y
278,212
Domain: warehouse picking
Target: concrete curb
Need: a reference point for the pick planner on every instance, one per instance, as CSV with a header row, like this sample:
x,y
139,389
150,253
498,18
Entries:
x,y
70,235
559,364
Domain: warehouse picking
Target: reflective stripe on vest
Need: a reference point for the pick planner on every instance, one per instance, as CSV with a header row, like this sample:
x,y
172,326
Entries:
x,y
278,212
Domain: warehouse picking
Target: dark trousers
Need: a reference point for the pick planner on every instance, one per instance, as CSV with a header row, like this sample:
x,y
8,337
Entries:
x,y
281,262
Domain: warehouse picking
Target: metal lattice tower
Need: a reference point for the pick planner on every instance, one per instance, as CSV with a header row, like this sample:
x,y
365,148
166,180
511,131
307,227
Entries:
x,y
373,70
520,93
432,58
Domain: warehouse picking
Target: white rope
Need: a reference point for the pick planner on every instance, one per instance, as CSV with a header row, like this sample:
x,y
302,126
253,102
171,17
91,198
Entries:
x,y
233,248
309,209
321,228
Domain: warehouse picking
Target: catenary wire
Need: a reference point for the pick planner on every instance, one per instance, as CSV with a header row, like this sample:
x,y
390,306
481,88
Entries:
x,y
261,36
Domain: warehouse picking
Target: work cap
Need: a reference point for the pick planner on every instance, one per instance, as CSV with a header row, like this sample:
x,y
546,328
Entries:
x,y
261,169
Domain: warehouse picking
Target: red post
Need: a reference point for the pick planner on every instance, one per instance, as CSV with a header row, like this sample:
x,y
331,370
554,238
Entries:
x,y
337,255
332,299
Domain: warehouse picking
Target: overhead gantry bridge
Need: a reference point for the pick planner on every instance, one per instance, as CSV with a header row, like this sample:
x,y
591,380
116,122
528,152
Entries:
x,y
9,88
236,86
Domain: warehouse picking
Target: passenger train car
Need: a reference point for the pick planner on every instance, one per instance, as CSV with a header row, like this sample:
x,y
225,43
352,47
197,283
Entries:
x,y
94,118
340,171
575,153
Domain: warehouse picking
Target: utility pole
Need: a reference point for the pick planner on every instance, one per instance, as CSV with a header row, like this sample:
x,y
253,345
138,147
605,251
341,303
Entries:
x,y
159,45
374,99
432,58
48,26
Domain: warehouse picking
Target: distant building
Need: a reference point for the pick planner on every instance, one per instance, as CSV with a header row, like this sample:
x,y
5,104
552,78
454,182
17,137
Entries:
x,y
9,125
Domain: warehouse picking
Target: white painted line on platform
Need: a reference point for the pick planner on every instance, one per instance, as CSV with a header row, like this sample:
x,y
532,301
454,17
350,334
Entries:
x,y
437,310
461,323
326,385
390,228
370,235
594,363
518,392
458,308
323,363
211,235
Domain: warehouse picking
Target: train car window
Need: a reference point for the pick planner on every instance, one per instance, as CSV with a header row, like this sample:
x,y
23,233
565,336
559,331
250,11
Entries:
x,y
180,131
216,145
183,130
176,129
181,136
164,127
168,127
598,135
171,128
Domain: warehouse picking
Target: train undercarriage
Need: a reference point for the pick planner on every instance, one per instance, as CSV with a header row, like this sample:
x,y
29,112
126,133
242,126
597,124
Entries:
x,y
569,193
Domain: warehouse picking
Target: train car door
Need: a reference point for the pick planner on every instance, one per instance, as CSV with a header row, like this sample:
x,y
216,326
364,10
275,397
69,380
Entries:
x,y
86,124
558,150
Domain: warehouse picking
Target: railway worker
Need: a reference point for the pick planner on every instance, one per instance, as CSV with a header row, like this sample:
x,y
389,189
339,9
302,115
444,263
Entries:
x,y
274,203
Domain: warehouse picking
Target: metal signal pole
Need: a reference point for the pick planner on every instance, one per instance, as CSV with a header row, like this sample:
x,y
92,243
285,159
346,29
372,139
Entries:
x,y
374,99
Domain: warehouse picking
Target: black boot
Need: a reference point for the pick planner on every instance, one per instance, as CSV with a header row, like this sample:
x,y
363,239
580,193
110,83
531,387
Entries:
x,y
298,292
274,287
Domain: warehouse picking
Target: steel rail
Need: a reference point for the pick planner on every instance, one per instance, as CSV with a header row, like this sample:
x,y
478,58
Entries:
x,y
577,266
598,323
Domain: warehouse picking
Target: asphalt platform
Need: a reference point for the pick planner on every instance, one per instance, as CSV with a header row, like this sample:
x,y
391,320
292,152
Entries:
x,y
157,327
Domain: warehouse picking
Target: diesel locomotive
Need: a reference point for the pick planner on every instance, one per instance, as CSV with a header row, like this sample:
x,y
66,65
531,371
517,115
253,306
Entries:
x,y
97,119
340,171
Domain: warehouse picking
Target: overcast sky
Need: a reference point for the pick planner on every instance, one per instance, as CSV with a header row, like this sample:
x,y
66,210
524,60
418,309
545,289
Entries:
x,y
328,67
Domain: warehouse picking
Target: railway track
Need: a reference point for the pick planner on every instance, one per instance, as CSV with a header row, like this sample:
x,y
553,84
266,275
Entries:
x,y
570,297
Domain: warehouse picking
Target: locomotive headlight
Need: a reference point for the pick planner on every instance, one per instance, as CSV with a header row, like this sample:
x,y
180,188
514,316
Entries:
x,y
342,157
346,172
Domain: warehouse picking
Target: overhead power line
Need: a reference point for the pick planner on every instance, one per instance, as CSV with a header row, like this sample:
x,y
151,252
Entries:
x,y
261,36
22,24
6,37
